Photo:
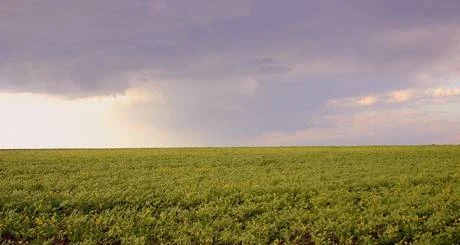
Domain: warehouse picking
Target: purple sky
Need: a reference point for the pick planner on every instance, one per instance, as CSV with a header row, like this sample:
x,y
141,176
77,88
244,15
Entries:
x,y
214,72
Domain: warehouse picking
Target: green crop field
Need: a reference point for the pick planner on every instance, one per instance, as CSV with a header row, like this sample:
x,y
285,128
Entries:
x,y
292,195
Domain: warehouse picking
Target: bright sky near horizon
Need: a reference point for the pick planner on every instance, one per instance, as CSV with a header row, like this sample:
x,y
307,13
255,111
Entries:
x,y
157,73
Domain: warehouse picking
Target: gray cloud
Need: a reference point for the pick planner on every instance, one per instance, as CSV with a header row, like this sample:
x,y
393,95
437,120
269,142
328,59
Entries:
x,y
237,68
84,44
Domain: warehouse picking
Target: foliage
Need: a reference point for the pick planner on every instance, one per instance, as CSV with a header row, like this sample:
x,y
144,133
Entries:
x,y
293,195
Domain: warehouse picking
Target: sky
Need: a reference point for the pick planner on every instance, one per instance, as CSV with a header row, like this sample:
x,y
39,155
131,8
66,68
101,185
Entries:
x,y
174,73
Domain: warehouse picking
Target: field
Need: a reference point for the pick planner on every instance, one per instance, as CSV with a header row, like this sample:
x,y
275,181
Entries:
x,y
292,195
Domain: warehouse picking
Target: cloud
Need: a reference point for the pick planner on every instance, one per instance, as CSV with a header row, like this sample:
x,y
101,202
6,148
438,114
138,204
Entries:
x,y
398,96
268,65
88,48
416,36
389,126
358,101
443,92
41,121
224,72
